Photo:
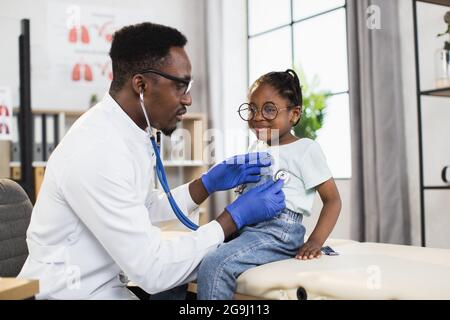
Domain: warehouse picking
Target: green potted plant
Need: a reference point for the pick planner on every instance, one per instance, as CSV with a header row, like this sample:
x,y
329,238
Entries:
x,y
314,105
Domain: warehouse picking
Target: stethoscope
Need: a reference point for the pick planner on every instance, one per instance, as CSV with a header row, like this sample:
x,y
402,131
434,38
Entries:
x,y
161,173
281,174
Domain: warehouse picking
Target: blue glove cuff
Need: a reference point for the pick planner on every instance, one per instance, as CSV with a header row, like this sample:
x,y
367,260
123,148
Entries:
x,y
235,216
205,182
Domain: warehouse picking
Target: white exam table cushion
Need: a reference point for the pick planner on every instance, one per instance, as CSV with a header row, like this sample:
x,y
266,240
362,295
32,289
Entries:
x,y
363,270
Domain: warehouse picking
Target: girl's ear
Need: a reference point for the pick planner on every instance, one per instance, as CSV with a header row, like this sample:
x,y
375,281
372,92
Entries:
x,y
296,114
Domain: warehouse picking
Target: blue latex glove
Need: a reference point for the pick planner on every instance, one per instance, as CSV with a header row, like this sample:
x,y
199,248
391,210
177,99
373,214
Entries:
x,y
235,171
261,203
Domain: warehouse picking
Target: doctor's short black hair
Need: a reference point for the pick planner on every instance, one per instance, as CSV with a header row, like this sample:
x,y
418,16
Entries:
x,y
141,46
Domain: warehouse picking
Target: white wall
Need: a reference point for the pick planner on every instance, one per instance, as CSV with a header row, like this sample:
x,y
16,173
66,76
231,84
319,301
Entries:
x,y
410,113
227,65
435,115
234,72
187,16
227,62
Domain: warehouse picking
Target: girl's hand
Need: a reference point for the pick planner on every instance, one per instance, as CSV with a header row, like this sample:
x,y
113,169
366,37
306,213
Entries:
x,y
309,250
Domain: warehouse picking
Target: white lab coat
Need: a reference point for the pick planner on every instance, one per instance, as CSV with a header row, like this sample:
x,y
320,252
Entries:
x,y
94,218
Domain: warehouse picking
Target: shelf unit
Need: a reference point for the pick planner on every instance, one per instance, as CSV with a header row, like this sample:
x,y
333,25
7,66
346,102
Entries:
x,y
440,92
49,126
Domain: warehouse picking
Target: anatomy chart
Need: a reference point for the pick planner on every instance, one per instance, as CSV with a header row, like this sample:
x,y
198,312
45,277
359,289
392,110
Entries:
x,y
79,39
5,114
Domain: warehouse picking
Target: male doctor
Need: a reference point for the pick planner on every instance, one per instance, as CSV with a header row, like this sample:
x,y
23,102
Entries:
x,y
92,225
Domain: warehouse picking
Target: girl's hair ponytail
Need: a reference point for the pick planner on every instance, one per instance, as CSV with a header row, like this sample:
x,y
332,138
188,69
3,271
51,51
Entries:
x,y
296,86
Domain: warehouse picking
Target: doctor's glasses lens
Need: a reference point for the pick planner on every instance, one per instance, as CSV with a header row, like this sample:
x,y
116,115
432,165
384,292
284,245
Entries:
x,y
188,87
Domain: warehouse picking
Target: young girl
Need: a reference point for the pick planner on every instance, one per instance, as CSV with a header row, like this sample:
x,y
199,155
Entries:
x,y
274,107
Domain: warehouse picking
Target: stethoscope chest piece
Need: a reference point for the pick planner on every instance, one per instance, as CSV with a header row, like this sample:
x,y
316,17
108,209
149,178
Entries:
x,y
283,175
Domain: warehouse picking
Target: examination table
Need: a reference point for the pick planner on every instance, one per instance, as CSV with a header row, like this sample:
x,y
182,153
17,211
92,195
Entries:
x,y
362,270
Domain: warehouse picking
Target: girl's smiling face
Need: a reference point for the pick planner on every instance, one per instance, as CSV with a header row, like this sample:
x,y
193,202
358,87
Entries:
x,y
278,128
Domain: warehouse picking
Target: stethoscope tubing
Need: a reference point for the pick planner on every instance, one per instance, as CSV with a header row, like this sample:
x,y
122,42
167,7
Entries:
x,y
161,173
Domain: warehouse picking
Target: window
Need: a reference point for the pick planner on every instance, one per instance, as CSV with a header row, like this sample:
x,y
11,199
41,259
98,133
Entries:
x,y
312,36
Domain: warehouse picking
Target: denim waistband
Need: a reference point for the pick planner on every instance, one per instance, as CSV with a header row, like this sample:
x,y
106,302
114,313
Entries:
x,y
297,216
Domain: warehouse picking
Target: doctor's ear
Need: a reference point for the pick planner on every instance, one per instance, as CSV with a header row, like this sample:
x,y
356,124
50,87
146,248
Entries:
x,y
139,84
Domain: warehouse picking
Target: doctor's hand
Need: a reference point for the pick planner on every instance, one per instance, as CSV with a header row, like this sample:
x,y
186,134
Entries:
x,y
261,203
235,171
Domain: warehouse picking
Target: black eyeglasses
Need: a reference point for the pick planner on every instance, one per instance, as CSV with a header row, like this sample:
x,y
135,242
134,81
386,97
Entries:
x,y
187,84
269,111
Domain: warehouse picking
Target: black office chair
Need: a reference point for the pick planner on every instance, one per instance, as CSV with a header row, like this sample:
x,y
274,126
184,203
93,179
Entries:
x,y
15,214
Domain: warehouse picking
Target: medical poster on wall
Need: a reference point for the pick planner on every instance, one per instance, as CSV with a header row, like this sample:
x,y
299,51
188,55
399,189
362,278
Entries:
x,y
79,39
5,114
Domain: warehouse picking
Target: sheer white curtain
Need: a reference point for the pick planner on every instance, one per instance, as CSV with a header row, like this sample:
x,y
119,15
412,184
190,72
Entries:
x,y
226,52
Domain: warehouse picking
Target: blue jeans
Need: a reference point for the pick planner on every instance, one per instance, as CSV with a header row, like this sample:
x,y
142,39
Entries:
x,y
265,242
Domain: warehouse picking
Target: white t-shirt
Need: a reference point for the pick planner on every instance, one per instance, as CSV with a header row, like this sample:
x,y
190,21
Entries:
x,y
307,167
